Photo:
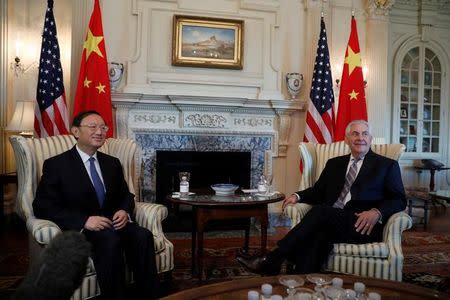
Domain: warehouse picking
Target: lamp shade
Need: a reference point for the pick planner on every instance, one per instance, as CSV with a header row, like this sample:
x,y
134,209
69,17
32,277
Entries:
x,y
23,118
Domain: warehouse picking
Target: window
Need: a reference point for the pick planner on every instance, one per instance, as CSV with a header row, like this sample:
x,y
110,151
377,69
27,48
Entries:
x,y
420,111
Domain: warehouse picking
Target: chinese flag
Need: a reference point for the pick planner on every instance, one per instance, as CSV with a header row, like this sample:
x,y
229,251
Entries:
x,y
93,90
352,100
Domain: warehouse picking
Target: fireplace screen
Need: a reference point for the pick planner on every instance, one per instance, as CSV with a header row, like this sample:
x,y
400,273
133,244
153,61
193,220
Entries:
x,y
205,168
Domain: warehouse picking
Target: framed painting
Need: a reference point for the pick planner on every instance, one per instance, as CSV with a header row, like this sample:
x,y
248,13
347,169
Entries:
x,y
207,42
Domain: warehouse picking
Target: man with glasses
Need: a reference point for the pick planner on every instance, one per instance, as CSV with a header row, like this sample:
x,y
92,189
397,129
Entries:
x,y
85,190
353,198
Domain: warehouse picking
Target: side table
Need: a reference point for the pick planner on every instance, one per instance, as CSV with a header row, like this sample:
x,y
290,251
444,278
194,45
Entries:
x,y
417,202
5,178
440,194
432,172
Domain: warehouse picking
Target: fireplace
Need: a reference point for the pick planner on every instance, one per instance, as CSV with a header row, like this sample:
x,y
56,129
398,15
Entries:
x,y
206,168
204,124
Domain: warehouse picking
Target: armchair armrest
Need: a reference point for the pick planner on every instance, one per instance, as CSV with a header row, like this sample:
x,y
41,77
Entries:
x,y
43,231
150,216
296,212
392,232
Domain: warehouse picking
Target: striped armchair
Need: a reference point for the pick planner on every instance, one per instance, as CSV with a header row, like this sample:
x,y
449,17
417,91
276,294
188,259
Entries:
x,y
380,260
30,155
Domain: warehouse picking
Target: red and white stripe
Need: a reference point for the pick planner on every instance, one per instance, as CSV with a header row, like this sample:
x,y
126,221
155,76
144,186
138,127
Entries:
x,y
53,121
319,128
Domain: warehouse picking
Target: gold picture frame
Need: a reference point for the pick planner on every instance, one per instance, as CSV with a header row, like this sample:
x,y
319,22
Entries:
x,y
207,42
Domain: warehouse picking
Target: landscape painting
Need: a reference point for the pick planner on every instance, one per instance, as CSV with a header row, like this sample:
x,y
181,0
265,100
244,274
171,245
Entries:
x,y
207,42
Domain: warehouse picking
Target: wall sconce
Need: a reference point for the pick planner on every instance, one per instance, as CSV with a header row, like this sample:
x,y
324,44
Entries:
x,y
23,118
17,66
338,71
365,70
338,68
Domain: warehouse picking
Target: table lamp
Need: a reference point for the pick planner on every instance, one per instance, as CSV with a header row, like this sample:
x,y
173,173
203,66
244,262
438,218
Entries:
x,y
23,118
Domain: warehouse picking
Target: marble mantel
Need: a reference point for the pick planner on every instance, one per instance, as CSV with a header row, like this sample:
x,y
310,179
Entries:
x,y
199,123
205,115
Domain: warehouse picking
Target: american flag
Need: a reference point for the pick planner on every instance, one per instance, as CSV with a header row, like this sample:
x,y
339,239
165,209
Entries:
x,y
320,117
51,117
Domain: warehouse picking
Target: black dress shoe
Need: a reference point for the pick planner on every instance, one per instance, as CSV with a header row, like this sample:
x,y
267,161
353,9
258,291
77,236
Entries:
x,y
253,264
259,265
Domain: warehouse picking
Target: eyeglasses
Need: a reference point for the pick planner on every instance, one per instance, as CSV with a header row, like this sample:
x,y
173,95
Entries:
x,y
356,134
94,127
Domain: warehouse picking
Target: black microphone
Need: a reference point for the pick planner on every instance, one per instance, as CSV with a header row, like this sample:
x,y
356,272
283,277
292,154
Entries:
x,y
59,271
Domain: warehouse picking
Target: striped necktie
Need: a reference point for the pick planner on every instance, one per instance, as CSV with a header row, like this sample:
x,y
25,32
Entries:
x,y
349,179
98,184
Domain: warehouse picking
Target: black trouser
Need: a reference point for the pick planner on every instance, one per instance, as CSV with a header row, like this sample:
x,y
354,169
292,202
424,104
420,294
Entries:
x,y
309,243
109,246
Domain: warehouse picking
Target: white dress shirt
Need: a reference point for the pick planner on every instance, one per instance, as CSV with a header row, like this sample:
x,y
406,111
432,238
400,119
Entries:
x,y
85,158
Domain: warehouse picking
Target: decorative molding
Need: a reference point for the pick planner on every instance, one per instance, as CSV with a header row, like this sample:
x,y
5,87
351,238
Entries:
x,y
379,8
154,119
205,121
205,116
253,122
284,125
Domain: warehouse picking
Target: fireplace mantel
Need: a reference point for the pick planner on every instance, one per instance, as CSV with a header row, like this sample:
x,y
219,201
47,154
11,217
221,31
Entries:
x,y
205,115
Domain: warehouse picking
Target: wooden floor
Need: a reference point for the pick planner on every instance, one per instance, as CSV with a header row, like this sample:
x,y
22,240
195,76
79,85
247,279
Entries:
x,y
439,220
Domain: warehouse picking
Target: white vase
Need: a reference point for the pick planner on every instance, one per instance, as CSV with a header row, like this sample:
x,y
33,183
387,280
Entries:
x,y
115,71
294,83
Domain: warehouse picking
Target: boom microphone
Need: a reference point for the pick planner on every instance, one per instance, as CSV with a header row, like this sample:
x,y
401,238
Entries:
x,y
59,271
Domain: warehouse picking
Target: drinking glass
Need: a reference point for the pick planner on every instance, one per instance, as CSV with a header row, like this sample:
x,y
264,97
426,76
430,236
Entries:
x,y
291,282
319,280
269,179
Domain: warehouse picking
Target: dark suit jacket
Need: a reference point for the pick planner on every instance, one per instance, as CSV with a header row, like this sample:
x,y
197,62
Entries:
x,y
378,185
66,196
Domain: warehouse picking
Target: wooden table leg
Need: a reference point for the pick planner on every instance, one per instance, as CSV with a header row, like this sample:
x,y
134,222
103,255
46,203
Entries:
x,y
247,237
201,221
264,219
194,239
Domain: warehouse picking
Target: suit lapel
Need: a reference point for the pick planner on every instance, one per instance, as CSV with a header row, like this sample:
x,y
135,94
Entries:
x,y
341,172
364,172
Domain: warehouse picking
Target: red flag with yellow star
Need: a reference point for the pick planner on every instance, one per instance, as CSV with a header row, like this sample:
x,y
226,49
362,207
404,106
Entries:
x,y
93,90
352,99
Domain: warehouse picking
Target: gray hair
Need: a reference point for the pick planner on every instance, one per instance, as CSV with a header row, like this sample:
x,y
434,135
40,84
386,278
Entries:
x,y
347,129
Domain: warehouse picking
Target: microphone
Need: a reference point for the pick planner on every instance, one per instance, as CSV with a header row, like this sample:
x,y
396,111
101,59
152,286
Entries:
x,y
59,271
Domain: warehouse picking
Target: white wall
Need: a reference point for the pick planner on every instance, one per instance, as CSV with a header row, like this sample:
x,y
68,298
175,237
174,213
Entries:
x,y
280,37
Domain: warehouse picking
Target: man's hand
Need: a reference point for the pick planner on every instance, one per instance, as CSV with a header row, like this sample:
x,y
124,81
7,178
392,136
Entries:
x,y
120,219
97,223
366,221
292,199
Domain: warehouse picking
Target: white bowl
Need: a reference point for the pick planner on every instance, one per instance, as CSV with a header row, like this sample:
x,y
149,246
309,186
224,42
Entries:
x,y
224,189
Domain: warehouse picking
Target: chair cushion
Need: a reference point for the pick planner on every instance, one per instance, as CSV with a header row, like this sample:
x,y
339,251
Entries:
x,y
379,250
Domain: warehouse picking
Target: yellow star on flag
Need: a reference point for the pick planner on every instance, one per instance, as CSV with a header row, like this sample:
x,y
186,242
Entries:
x,y
353,95
86,82
353,60
91,44
100,88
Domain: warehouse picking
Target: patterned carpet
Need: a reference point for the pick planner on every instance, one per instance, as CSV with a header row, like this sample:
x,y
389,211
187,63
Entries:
x,y
427,260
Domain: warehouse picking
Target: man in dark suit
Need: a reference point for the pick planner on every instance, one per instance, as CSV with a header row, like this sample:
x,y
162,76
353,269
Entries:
x,y
85,190
353,198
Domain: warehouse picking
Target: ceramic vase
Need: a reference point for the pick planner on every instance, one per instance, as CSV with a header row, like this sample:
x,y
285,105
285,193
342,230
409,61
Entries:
x,y
294,83
115,71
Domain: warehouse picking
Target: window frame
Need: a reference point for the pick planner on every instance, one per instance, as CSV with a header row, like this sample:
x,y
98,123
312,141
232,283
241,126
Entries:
x,y
444,98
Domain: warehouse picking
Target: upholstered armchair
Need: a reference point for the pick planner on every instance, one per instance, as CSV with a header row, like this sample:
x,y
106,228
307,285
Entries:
x,y
30,155
380,260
